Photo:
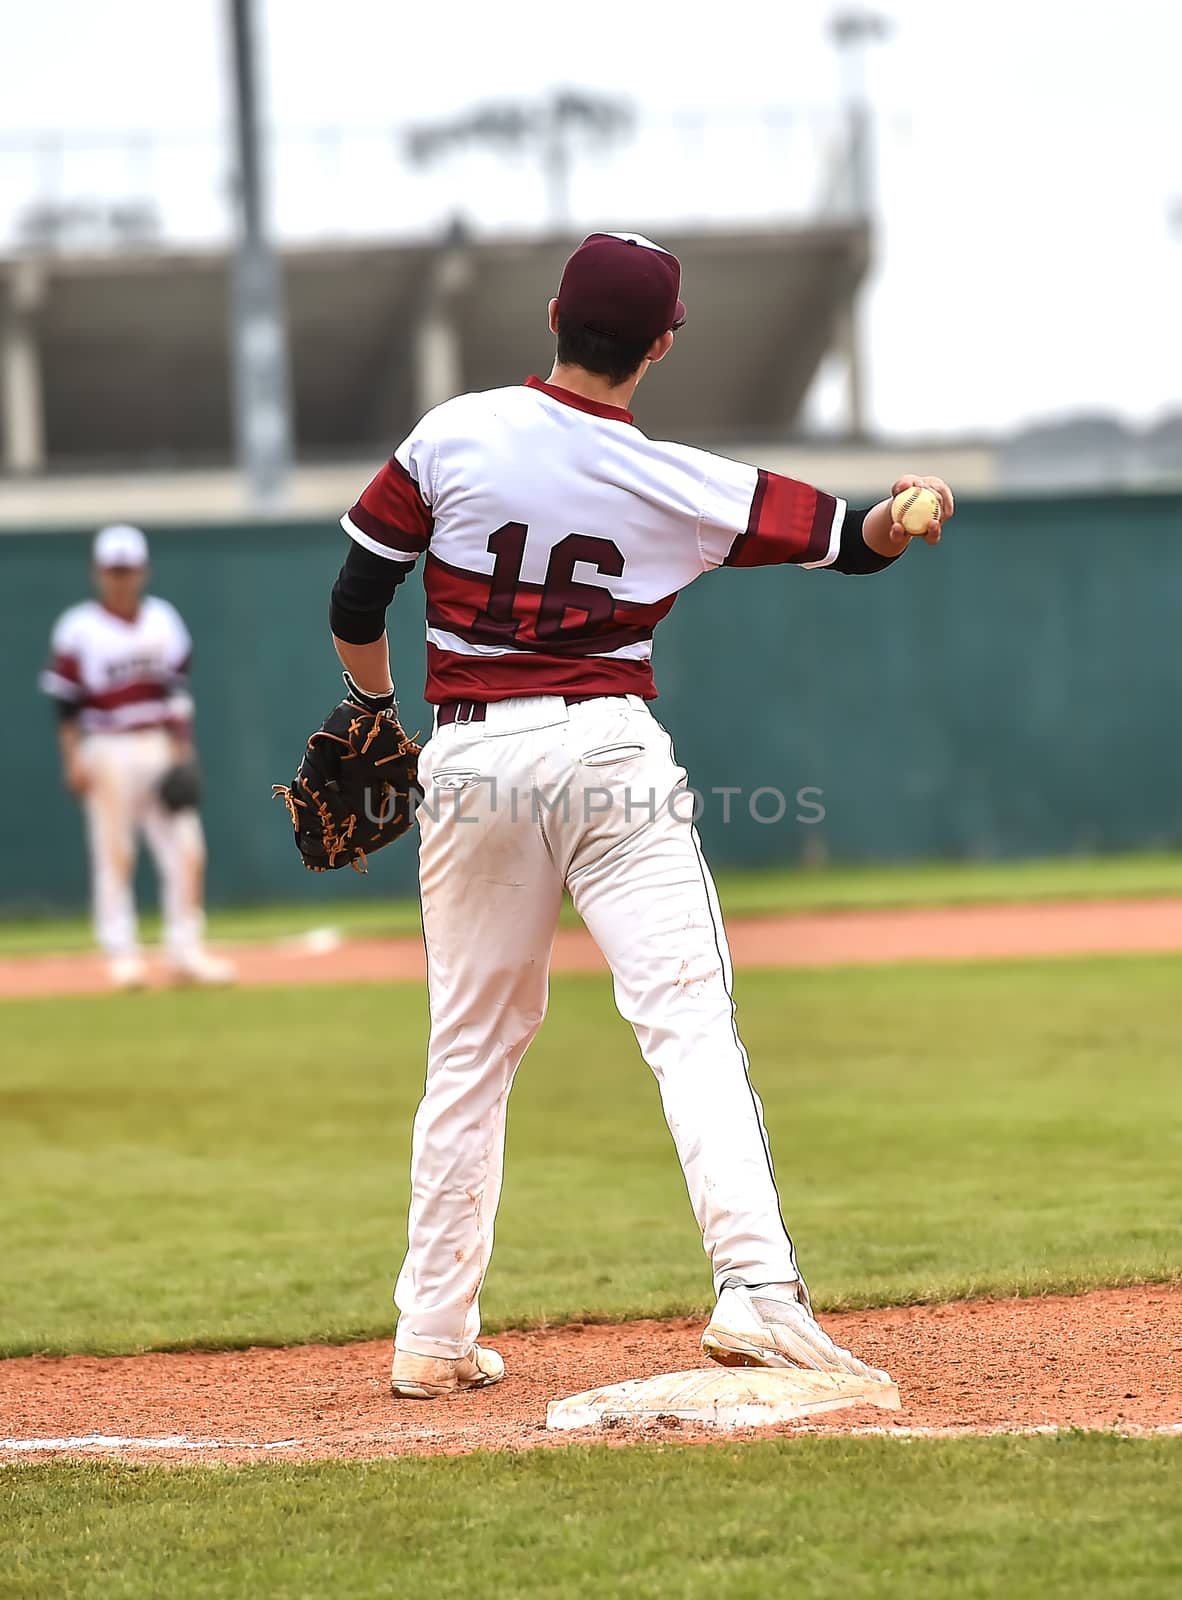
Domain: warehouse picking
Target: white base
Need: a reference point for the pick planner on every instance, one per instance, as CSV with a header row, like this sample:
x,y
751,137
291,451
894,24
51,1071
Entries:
x,y
720,1397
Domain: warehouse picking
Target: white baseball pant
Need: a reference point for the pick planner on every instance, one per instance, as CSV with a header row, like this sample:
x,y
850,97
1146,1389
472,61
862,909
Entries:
x,y
537,796
121,803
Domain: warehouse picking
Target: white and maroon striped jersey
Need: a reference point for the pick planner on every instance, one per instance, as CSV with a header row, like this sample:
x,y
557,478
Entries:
x,y
121,674
556,535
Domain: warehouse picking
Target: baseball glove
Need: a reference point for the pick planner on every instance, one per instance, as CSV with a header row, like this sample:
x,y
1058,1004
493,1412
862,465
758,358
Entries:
x,y
356,788
180,787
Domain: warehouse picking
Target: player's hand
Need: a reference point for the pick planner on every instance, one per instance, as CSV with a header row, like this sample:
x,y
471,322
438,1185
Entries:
x,y
900,537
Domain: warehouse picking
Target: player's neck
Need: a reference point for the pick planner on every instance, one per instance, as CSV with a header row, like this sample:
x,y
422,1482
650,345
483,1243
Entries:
x,y
125,613
594,387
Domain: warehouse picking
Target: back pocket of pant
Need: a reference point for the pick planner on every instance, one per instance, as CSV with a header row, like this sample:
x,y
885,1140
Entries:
x,y
608,755
455,780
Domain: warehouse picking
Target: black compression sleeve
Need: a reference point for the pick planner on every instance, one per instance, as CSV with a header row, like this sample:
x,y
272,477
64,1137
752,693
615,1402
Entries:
x,y
364,589
855,556
67,710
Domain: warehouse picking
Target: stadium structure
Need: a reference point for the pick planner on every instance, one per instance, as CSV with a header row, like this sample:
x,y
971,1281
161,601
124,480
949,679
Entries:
x,y
121,360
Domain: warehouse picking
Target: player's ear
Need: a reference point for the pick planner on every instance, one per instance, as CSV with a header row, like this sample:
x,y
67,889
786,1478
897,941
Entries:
x,y
554,316
660,347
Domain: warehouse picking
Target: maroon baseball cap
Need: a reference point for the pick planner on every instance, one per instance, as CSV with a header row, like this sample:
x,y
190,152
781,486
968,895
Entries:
x,y
622,285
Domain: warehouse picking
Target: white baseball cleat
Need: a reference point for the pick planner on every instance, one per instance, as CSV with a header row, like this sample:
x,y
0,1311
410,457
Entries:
x,y
773,1326
427,1377
127,972
201,967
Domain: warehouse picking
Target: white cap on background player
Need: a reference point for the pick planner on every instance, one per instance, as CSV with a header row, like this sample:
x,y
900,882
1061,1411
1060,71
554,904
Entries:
x,y
120,545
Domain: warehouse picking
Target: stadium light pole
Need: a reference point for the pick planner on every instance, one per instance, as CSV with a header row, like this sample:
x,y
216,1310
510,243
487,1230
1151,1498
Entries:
x,y
852,31
258,330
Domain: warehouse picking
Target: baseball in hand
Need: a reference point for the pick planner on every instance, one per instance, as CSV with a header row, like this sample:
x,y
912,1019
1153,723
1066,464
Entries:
x,y
916,508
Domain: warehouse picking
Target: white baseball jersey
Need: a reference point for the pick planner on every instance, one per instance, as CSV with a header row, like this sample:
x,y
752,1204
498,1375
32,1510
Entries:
x,y
557,535
123,674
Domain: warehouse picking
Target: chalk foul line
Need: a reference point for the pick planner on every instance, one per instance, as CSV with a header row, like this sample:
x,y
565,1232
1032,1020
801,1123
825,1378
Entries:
x,y
175,1441
1131,1430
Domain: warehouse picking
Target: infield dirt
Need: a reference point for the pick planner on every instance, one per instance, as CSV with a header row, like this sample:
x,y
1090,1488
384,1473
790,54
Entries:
x,y
814,939
1109,1359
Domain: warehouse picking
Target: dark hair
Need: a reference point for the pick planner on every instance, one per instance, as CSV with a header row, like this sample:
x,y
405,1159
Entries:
x,y
602,353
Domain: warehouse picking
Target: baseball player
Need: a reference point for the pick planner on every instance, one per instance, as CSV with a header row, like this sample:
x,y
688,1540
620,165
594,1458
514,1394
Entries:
x,y
555,536
117,675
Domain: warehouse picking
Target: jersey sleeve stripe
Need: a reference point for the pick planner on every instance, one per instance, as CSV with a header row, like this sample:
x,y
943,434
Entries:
x,y
391,510
65,673
789,522
735,554
376,546
832,534
53,682
386,533
757,499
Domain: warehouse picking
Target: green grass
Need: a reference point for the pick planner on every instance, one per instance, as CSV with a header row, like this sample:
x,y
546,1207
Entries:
x,y
811,1518
950,883
226,1168
743,894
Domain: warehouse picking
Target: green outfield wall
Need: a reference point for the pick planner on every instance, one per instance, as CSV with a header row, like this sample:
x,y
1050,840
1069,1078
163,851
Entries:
x,y
1015,692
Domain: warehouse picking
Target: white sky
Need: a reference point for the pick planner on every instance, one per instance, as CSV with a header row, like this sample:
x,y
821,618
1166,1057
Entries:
x,y
1029,153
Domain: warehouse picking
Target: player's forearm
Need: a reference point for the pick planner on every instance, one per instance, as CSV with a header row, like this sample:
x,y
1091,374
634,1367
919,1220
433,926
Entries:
x,y
357,609
857,554
67,739
367,664
179,713
876,532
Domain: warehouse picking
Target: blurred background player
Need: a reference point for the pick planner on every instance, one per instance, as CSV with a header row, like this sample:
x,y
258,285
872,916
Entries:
x,y
117,674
